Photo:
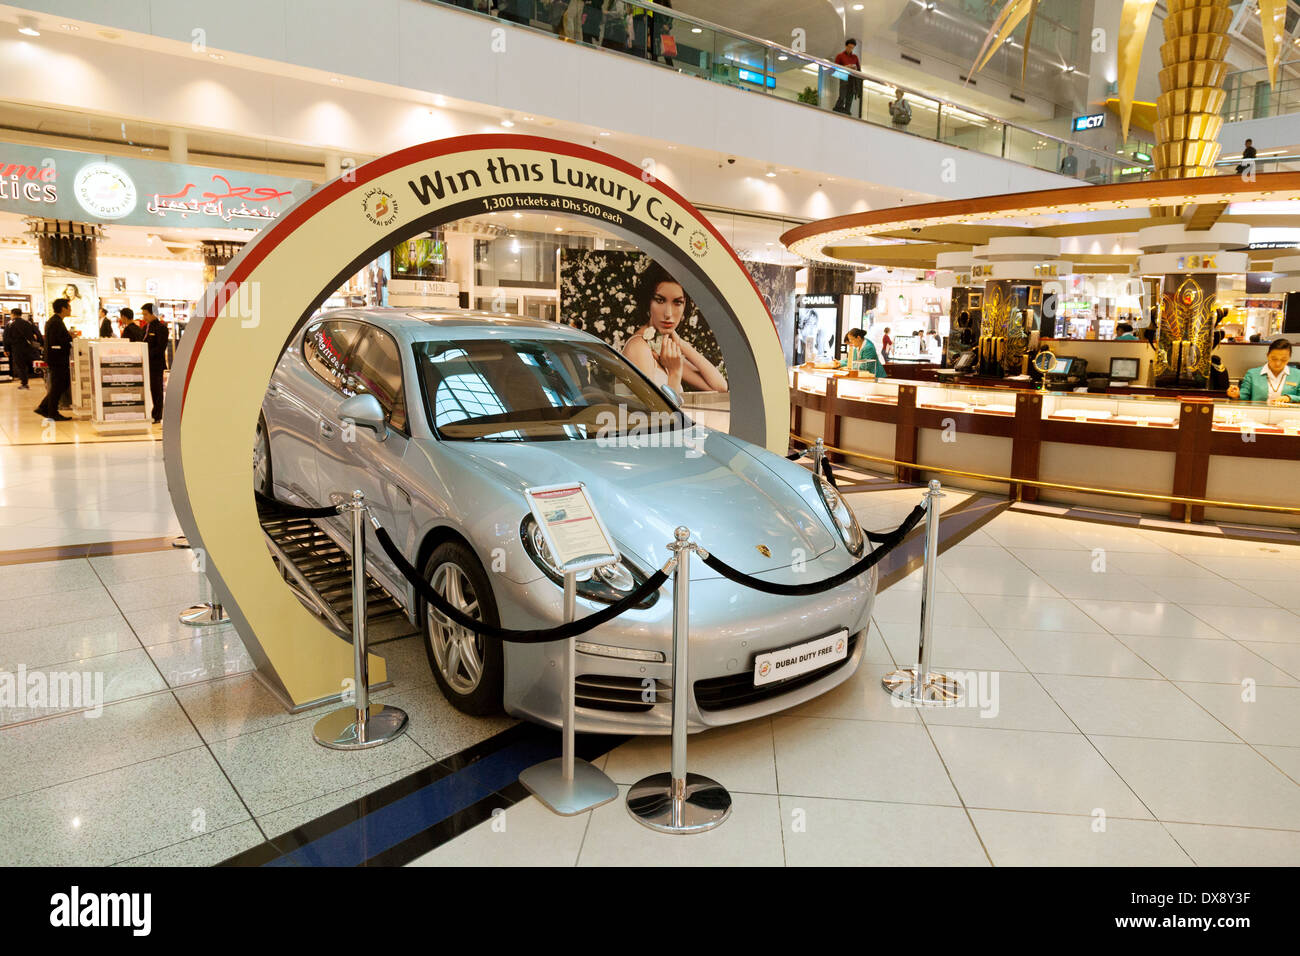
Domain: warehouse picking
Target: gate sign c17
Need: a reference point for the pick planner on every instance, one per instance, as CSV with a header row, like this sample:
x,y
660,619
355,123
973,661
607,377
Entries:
x,y
1092,121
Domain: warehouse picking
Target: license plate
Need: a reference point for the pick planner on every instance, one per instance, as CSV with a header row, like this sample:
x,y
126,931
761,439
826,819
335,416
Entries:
x,y
800,659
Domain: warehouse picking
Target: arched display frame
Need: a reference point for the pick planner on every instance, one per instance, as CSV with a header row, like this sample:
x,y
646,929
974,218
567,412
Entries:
x,y
230,350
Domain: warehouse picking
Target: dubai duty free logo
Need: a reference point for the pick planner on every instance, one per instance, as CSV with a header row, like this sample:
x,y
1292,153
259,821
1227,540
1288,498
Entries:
x,y
105,190
380,206
699,244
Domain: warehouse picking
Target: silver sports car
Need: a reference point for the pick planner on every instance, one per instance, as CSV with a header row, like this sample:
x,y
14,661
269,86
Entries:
x,y
443,419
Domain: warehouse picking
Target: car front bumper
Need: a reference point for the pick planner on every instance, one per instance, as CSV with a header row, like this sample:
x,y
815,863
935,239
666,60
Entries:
x,y
729,626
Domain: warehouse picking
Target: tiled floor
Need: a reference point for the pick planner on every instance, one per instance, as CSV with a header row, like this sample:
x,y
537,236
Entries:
x,y
1133,698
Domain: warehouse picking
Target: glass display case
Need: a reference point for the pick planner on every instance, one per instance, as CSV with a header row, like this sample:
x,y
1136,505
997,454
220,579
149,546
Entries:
x,y
985,401
1140,410
880,391
1247,417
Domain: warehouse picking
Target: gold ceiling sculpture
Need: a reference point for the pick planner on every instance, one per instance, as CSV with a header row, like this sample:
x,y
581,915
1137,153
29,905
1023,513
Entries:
x,y
1189,109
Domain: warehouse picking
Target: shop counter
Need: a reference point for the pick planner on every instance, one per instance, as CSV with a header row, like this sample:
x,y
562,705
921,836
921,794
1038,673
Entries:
x,y
1156,444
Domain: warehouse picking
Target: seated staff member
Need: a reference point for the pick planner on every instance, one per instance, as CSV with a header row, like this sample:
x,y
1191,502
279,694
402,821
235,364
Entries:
x,y
1124,333
1274,382
862,355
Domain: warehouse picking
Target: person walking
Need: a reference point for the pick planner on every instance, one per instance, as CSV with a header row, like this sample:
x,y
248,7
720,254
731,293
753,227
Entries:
x,y
662,42
20,345
640,36
1070,164
58,354
591,22
850,86
155,338
105,324
614,26
886,345
900,111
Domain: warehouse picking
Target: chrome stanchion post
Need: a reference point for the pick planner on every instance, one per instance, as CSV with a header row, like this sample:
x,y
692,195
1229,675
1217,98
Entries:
x,y
818,453
678,801
917,684
566,785
365,724
204,614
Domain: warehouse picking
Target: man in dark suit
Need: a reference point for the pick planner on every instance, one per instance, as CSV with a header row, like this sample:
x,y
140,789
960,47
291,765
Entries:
x,y
130,331
156,338
20,345
58,355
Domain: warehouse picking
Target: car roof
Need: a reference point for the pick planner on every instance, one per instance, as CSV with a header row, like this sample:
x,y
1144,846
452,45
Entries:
x,y
425,324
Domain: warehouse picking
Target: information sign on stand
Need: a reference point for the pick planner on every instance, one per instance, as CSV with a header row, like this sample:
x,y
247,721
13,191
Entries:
x,y
120,377
578,541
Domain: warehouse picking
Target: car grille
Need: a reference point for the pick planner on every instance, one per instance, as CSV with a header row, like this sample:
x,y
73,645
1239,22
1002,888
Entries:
x,y
737,690
619,694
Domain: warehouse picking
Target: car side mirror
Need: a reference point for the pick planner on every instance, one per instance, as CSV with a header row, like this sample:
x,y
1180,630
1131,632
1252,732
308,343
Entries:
x,y
365,411
671,395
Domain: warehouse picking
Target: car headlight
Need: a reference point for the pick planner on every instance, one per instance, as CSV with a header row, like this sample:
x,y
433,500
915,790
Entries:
x,y
609,584
845,520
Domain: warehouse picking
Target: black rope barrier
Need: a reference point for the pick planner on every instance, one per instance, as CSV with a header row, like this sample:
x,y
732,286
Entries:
x,y
295,511
829,472
561,632
888,543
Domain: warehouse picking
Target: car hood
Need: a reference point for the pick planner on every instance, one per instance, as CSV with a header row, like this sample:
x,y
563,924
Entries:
x,y
730,500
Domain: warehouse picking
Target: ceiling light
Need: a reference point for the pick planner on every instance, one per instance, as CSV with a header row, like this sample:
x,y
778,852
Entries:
x,y
335,79
519,215
857,6
27,27
696,30
528,119
70,27
783,57
604,132
771,173
507,123
440,100
216,56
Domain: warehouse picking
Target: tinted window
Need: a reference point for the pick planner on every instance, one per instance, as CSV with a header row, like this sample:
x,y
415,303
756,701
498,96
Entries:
x,y
326,346
376,367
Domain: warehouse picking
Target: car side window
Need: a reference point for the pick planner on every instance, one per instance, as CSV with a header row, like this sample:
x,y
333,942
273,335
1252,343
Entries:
x,y
325,346
375,366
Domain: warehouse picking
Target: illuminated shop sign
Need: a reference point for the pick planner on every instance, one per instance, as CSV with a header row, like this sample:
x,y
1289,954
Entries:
x,y
817,300
762,79
1142,157
1092,121
62,184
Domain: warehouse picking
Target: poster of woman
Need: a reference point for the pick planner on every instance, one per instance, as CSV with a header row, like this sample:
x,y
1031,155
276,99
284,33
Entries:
x,y
83,298
634,304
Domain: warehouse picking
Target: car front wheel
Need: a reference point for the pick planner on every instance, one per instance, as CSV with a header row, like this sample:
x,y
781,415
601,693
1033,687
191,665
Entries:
x,y
262,459
468,667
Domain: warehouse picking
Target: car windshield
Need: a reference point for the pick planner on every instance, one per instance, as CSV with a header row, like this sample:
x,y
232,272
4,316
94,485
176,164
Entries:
x,y
536,390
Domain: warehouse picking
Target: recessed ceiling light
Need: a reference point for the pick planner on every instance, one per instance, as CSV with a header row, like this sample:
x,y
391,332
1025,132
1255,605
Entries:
x,y
216,56
604,132
519,215
336,79
857,6
27,27
507,123
696,30
559,229
440,100
771,173
70,27
783,57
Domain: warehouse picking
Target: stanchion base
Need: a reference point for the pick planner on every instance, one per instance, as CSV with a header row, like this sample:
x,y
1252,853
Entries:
x,y
937,689
588,789
204,615
704,805
338,729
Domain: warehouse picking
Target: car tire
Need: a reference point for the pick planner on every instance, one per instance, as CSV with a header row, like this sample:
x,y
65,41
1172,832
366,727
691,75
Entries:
x,y
263,478
469,668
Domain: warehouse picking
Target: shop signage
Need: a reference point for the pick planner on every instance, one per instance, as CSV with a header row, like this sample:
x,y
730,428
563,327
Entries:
x,y
62,184
817,300
1091,121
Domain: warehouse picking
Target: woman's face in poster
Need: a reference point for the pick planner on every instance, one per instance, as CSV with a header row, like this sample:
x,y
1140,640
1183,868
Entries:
x,y
667,306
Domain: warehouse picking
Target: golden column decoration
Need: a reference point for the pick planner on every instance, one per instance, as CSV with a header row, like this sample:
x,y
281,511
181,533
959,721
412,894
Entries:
x,y
1189,108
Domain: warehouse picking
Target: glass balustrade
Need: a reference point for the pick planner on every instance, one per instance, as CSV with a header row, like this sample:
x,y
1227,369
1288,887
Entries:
x,y
697,47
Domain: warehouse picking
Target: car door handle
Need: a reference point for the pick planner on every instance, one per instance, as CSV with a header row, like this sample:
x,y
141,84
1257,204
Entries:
x,y
326,429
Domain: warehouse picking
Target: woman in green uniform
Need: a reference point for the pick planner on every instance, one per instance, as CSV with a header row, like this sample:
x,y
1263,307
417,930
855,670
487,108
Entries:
x,y
1274,382
862,354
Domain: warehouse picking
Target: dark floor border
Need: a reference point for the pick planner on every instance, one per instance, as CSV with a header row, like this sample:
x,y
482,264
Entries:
x,y
420,812
99,549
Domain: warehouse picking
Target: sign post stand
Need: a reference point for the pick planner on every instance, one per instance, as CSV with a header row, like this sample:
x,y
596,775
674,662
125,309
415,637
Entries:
x,y
577,541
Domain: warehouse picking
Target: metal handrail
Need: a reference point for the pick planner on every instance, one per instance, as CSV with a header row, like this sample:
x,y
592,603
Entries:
x,y
833,67
1082,489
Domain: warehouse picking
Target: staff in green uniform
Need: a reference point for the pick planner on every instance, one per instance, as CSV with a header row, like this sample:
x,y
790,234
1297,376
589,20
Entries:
x,y
862,354
1274,382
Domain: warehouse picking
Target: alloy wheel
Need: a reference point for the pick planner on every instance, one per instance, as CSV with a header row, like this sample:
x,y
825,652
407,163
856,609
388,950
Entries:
x,y
457,650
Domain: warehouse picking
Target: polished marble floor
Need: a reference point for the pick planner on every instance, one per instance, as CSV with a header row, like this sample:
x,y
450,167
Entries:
x,y
1133,699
